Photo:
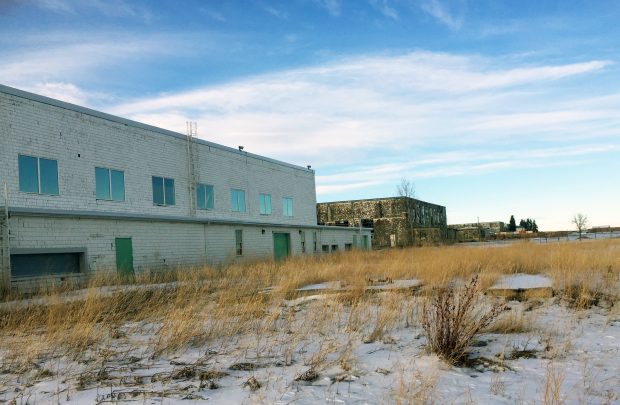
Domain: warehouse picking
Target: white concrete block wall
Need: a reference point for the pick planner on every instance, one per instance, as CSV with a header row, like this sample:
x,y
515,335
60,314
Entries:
x,y
335,236
158,244
80,142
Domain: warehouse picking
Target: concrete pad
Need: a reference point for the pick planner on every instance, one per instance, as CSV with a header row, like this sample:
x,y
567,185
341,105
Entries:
x,y
375,286
522,286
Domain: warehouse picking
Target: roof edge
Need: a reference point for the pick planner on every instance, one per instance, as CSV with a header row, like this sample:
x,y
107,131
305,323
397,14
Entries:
x,y
125,121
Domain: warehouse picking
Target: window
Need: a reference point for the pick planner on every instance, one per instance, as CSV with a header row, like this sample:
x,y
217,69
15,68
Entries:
x,y
325,248
348,247
287,207
163,191
109,184
239,241
314,240
334,248
204,197
237,200
38,175
264,202
302,237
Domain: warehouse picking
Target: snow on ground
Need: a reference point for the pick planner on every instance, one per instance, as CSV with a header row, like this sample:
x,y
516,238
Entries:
x,y
521,282
577,352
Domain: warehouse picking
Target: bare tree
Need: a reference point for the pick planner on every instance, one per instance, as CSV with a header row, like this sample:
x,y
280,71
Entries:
x,y
581,223
406,189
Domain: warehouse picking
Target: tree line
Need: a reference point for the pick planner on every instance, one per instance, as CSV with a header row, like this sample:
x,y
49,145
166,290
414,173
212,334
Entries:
x,y
527,224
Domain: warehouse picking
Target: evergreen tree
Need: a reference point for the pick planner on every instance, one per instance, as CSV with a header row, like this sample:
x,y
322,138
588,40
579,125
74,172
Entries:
x,y
523,224
512,225
534,226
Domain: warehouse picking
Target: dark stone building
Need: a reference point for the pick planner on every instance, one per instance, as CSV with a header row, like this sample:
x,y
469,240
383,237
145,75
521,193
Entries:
x,y
396,221
477,231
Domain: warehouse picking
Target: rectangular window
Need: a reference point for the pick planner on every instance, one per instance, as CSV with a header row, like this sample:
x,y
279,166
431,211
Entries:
x,y
287,207
204,197
38,175
239,241
325,248
264,203
163,191
237,200
314,240
334,248
302,237
109,184
348,247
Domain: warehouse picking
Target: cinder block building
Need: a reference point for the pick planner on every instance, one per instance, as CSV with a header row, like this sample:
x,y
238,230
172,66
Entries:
x,y
477,231
84,191
395,221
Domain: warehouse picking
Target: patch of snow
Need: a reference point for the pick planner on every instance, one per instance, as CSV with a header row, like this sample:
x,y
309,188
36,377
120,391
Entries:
x,y
522,282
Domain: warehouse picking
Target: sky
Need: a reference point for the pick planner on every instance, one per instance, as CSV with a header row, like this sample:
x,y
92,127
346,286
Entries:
x,y
491,108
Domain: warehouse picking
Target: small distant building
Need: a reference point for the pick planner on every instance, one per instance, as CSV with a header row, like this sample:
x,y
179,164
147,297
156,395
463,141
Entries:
x,y
395,221
476,231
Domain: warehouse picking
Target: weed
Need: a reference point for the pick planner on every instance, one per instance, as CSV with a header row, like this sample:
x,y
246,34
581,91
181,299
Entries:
x,y
453,317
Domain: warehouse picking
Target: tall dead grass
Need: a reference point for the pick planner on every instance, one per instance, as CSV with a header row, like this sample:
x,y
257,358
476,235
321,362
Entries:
x,y
192,306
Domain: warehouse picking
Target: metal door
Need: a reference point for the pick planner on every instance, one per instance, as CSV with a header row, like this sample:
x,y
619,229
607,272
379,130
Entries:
x,y
124,256
281,245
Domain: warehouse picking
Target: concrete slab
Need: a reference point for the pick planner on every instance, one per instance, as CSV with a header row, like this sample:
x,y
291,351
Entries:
x,y
522,286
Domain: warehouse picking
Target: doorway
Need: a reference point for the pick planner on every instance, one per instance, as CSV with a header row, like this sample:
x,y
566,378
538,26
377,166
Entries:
x,y
281,246
124,256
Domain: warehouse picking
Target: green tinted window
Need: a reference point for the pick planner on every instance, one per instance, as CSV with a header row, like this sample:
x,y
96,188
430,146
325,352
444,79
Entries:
x,y
204,196
237,200
118,185
38,175
28,174
264,202
158,190
169,191
210,197
287,207
163,191
102,183
201,200
48,170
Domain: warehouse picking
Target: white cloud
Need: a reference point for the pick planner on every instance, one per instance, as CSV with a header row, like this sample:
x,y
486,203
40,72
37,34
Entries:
x,y
332,6
455,163
110,8
438,10
62,91
362,121
276,12
384,8
347,110
61,58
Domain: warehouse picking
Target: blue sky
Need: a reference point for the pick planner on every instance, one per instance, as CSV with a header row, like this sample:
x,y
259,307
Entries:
x,y
491,108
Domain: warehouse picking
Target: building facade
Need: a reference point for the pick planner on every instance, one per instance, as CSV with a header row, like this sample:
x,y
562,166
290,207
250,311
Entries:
x,y
477,231
88,192
395,221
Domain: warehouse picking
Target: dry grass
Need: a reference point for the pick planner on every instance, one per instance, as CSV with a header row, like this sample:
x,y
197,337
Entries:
x,y
512,321
190,307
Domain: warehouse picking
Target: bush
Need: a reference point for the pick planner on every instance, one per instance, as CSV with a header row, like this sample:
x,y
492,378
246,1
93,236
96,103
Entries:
x,y
453,317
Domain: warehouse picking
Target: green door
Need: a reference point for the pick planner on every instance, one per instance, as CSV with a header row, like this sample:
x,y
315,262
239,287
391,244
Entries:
x,y
281,245
124,256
